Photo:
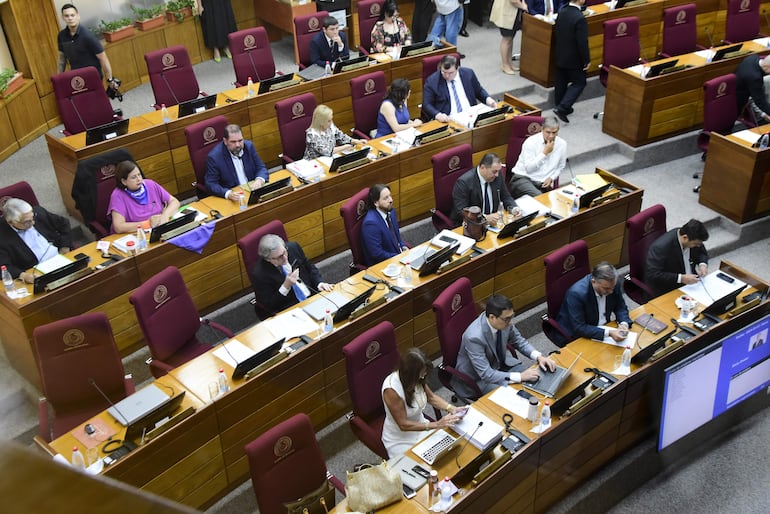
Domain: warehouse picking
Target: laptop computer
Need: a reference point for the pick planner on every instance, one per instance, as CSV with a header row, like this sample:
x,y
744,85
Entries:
x,y
187,218
133,408
277,82
343,162
256,194
147,422
258,358
107,131
511,228
312,72
201,104
318,307
437,445
549,383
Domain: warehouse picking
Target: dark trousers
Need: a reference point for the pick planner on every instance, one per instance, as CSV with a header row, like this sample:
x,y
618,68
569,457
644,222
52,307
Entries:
x,y
421,20
568,85
523,185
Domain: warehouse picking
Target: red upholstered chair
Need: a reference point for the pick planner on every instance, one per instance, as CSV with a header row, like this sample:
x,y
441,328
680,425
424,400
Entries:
x,y
368,14
430,65
294,116
621,47
521,128
742,21
643,229
367,92
252,55
305,29
563,268
171,76
369,359
73,354
353,212
718,108
455,310
201,138
169,321
249,246
680,30
21,190
286,464
82,100
447,168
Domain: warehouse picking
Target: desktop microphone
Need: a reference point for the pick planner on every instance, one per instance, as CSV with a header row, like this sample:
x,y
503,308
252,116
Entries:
x,y
708,33
649,319
571,173
75,108
641,52
253,67
702,283
163,76
99,389
457,458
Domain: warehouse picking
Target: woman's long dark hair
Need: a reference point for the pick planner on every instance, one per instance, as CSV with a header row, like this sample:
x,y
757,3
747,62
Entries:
x,y
398,91
409,369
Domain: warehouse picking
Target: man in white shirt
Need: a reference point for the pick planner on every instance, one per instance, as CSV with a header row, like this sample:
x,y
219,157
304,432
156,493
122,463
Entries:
x,y
541,161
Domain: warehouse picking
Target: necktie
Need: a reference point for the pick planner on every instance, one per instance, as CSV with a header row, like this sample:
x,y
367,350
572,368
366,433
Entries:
x,y
487,199
392,229
457,97
500,351
297,290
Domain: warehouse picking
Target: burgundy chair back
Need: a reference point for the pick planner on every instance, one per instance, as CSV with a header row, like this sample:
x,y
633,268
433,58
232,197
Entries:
x,y
305,29
70,353
742,21
285,464
168,319
353,212
101,225
430,65
368,14
21,190
369,359
171,76
252,55
680,30
643,229
563,268
718,108
249,244
521,128
82,100
93,184
621,45
201,138
294,116
448,165
455,310
367,92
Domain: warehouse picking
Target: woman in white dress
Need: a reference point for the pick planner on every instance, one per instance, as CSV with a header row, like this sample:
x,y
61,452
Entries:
x,y
406,395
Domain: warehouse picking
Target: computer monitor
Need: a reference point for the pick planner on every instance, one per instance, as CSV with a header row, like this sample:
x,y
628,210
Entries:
x,y
490,116
258,358
418,139
587,198
720,54
271,187
107,131
511,228
417,48
201,104
347,309
41,281
342,162
657,69
157,232
348,64
434,261
724,304
649,349
277,82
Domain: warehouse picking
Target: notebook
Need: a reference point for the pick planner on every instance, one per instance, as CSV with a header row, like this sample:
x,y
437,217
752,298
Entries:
x,y
133,408
549,383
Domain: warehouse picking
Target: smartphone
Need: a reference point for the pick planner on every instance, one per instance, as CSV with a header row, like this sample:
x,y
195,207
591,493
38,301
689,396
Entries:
x,y
460,412
408,491
524,394
424,473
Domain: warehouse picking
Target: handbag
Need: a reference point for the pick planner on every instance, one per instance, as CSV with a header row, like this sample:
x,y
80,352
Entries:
x,y
373,487
315,502
474,223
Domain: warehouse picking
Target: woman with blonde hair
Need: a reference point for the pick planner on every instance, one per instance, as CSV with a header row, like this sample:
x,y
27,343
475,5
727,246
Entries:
x,y
323,138
506,14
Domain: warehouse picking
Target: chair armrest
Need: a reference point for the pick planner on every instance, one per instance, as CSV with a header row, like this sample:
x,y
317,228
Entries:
x,y
44,428
465,378
440,220
362,50
216,326
336,482
202,93
43,445
641,285
159,365
360,134
285,158
98,229
552,329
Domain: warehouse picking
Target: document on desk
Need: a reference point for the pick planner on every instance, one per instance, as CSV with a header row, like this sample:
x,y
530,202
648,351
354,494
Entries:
x,y
484,435
305,170
53,263
528,205
290,324
233,352
507,398
711,288
630,339
747,135
402,139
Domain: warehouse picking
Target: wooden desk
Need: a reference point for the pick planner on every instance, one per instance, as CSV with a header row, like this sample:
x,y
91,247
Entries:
x,y
639,111
736,178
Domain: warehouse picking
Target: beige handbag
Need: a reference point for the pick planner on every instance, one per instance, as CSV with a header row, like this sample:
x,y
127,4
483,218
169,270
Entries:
x,y
373,487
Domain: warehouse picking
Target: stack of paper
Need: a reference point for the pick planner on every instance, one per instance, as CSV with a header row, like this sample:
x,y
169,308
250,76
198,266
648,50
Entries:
x,y
482,436
305,170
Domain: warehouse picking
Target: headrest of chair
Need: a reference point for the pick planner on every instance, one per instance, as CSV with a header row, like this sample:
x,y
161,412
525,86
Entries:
x,y
248,42
374,9
313,24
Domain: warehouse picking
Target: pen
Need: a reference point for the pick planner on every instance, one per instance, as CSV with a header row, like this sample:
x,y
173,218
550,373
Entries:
x,y
409,473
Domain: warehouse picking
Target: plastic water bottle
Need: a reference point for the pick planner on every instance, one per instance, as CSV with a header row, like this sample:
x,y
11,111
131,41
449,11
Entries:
x,y
406,274
446,493
396,51
250,88
224,385
626,359
545,416
328,322
435,493
500,215
575,204
131,247
77,460
164,113
327,69
141,239
8,281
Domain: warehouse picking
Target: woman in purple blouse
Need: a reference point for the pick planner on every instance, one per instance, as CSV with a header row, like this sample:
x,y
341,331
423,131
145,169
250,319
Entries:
x,y
137,201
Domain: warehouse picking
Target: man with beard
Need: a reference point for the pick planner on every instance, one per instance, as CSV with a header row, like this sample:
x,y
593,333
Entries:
x,y
233,163
380,235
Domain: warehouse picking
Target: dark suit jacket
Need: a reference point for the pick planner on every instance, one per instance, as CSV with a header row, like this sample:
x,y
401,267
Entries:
x,y
266,280
220,171
571,34
467,192
664,262
435,92
749,84
579,313
16,255
377,240
320,51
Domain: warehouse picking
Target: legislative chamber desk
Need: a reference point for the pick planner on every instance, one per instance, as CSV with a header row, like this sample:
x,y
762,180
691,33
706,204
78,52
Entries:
x,y
736,177
639,111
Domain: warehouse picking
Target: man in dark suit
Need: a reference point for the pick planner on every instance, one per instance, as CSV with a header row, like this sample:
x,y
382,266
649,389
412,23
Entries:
x,y
330,44
380,235
677,257
572,57
481,186
443,95
233,163
484,354
591,301
29,235
283,276
749,84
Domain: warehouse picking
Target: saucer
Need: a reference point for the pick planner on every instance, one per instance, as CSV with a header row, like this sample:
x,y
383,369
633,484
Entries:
x,y
392,271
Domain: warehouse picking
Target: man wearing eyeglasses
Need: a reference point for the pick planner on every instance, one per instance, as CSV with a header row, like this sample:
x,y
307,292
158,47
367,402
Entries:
x,y
283,276
30,235
485,356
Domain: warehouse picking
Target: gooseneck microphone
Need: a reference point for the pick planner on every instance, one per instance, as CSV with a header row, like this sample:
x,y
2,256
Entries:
x,y
708,33
93,383
77,112
457,458
170,90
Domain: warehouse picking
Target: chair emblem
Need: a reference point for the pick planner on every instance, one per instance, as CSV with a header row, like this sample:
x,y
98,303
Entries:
x,y
361,208
374,10
168,61
721,89
372,351
745,5
74,338
107,171
681,17
209,135
569,263
298,110
78,84
457,303
369,86
313,24
249,42
649,225
454,163
534,128
622,29
160,295
283,447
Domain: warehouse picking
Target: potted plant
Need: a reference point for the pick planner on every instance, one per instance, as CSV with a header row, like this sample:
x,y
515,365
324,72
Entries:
x,y
150,17
117,30
10,81
178,10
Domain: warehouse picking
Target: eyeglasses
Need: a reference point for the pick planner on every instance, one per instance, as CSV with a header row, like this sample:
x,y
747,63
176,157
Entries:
x,y
280,256
506,319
